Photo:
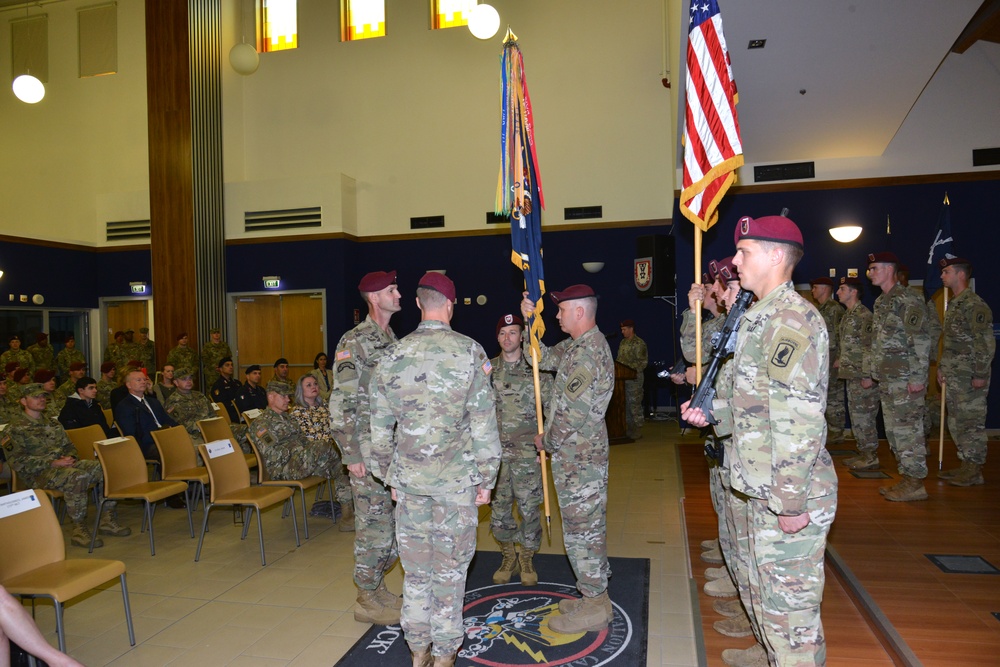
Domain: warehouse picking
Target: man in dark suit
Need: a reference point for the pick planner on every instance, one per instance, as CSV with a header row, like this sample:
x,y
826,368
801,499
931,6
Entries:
x,y
139,414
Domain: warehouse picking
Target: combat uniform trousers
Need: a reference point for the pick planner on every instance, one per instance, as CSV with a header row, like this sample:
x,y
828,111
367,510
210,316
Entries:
x,y
737,517
75,483
519,479
634,419
718,485
584,518
787,580
863,406
437,539
903,414
967,417
836,410
375,532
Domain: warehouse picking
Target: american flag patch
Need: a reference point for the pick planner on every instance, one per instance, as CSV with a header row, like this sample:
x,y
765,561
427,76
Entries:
x,y
487,367
343,354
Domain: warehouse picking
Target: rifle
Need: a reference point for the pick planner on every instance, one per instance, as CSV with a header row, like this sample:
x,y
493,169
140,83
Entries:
x,y
723,345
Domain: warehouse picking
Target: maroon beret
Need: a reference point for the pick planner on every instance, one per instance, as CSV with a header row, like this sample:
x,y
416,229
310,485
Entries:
x,y
439,282
119,333
13,337
509,320
775,228
822,281
573,292
20,374
77,366
11,367
627,323
724,268
43,375
951,261
182,334
107,366
852,282
134,364
377,280
41,336
883,258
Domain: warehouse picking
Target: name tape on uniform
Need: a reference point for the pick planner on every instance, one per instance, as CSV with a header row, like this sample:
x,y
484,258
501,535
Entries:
x,y
15,503
218,448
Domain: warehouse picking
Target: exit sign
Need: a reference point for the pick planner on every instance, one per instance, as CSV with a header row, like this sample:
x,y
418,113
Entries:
x,y
272,283
138,288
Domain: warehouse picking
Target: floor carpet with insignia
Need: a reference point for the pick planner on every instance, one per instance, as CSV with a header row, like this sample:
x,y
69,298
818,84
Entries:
x,y
507,625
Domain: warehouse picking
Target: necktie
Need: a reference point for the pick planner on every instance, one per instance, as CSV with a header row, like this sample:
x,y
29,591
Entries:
x,y
146,405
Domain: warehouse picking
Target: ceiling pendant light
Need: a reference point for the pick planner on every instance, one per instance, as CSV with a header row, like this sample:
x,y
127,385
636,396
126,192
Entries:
x,y
244,57
28,88
484,21
845,233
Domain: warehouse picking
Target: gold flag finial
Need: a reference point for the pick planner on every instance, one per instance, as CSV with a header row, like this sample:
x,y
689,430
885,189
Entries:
x,y
888,229
946,202
510,36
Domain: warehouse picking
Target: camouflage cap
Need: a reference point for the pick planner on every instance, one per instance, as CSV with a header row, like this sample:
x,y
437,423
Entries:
x,y
144,330
215,330
182,372
34,389
279,387
130,330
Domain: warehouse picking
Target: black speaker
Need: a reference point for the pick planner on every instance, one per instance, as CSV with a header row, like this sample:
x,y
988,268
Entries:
x,y
653,269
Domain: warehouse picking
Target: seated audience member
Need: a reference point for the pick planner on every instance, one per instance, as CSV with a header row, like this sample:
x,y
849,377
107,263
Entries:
x,y
82,409
121,391
165,387
226,388
47,379
187,406
281,371
324,376
138,414
76,371
252,395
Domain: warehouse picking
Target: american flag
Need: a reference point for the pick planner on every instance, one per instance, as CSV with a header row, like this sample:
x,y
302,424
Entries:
x,y
712,147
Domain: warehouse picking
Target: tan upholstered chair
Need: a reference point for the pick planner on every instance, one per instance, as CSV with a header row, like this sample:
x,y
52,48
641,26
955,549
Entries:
x,y
229,484
109,416
33,562
218,428
180,463
125,477
84,438
311,482
57,498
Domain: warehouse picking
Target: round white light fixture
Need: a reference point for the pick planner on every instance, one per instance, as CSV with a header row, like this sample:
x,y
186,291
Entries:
x,y
244,58
28,89
845,233
593,267
484,21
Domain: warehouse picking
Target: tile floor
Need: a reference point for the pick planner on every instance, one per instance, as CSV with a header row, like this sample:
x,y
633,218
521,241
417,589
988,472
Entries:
x,y
228,610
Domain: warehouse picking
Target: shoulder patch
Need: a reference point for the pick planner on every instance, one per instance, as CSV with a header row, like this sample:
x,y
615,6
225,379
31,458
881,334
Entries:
x,y
788,349
578,383
345,366
343,354
913,317
981,315
487,367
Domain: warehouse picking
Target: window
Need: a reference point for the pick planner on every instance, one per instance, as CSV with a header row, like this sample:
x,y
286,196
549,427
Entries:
x,y
279,25
361,19
451,13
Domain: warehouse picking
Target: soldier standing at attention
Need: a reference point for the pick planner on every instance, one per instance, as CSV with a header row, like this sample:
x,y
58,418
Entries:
x,y
41,353
15,353
212,352
520,477
375,551
146,350
964,369
832,312
576,437
784,487
901,345
632,352
854,366
111,351
67,356
183,356
44,458
434,442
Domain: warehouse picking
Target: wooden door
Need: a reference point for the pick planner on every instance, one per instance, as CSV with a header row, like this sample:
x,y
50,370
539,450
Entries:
x,y
122,315
302,329
258,330
270,326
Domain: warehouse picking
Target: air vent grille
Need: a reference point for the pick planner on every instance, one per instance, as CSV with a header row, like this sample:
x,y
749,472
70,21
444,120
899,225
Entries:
x,y
127,230
288,218
982,157
427,222
784,172
583,212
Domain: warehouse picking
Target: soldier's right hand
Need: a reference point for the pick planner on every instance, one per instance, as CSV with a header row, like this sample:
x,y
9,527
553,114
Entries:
x,y
696,294
357,469
527,306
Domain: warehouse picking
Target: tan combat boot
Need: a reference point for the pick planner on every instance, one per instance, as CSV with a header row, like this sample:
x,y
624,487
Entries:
x,y
735,626
713,557
509,566
387,598
421,656
371,610
713,573
445,660
81,537
709,545
720,588
528,575
591,615
346,522
110,526
568,605
908,490
952,473
729,608
834,436
970,475
755,656
866,461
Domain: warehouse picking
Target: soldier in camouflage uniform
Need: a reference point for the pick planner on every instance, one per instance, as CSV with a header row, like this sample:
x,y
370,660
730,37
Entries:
x,y
113,352
434,441
854,367
312,415
211,353
67,356
520,476
15,353
42,354
287,452
576,437
146,350
183,356
784,487
901,345
357,353
632,352
8,409
106,384
964,370
130,349
44,458
833,313
76,371
187,406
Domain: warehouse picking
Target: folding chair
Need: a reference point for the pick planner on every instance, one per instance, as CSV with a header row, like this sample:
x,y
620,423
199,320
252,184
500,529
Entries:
x,y
180,463
218,428
313,481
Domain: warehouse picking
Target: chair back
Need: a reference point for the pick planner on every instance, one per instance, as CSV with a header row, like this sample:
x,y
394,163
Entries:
x,y
176,450
250,415
216,428
84,438
109,415
30,539
226,473
262,474
123,463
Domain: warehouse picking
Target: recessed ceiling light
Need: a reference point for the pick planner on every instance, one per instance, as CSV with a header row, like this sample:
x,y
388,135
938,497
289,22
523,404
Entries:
x,y
757,43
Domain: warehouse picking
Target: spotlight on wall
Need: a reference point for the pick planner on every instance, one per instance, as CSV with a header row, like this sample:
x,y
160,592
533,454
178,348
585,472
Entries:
x,y
593,267
484,21
845,233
